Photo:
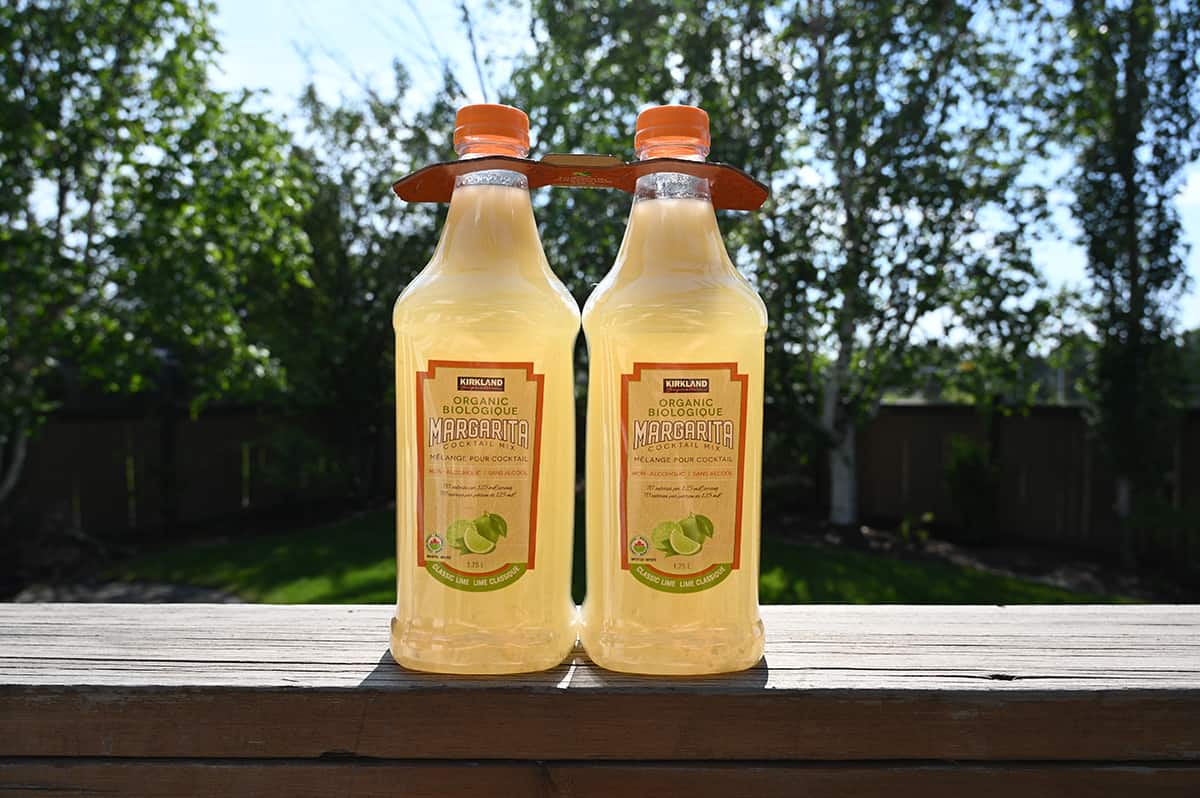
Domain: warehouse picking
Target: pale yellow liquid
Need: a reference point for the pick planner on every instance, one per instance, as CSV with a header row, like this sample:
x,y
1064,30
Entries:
x,y
672,296
488,294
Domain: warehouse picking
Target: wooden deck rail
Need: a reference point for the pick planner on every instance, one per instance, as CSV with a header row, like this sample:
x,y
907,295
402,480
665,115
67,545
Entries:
x,y
169,700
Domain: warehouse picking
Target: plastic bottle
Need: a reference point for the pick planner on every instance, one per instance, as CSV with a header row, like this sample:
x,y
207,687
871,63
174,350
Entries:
x,y
485,430
674,431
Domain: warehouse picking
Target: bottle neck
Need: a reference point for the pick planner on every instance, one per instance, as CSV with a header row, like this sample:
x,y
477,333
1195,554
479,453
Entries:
x,y
482,148
504,178
672,185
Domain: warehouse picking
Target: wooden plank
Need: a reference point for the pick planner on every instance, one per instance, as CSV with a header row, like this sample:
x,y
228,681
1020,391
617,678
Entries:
x,y
168,722
868,647
837,683
482,779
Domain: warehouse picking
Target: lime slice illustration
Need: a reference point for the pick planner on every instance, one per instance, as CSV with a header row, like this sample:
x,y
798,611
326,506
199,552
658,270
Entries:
x,y
691,528
697,527
457,531
683,544
662,534
477,543
492,526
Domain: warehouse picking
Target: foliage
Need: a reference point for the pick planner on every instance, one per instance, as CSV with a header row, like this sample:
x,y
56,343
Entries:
x,y
202,237
886,131
617,58
998,365
1168,534
972,478
915,529
661,51
1133,99
918,119
332,332
142,211
160,237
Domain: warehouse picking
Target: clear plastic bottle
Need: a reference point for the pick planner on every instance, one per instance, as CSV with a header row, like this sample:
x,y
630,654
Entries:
x,y
674,431
485,430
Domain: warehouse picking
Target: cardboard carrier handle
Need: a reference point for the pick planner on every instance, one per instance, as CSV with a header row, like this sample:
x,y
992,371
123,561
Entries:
x,y
732,189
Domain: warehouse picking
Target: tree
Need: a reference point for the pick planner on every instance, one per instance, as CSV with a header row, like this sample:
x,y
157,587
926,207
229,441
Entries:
x,y
917,117
139,207
1133,94
892,136
715,56
333,333
595,65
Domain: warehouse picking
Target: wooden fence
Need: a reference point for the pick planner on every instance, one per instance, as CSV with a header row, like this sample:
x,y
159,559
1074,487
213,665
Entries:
x,y
1053,484
129,475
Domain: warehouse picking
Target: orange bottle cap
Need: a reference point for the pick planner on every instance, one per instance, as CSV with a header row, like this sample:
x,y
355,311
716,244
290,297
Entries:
x,y
667,125
486,125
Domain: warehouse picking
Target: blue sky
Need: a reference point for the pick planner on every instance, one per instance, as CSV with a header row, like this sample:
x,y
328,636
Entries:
x,y
281,45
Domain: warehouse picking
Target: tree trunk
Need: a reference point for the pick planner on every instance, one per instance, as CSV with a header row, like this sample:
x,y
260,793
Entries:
x,y
843,479
16,462
1123,505
168,468
839,427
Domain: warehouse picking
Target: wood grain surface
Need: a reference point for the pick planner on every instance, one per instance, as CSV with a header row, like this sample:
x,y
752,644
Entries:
x,y
847,700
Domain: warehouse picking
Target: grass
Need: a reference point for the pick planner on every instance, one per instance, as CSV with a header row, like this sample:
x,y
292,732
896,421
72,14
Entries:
x,y
353,562
797,574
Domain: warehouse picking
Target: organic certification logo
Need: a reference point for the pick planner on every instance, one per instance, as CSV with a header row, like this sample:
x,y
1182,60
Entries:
x,y
639,546
433,543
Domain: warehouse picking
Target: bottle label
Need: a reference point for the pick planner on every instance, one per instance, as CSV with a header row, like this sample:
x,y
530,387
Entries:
x,y
479,427
683,431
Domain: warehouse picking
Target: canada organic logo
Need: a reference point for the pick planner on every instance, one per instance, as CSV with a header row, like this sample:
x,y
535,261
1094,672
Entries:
x,y
434,544
639,546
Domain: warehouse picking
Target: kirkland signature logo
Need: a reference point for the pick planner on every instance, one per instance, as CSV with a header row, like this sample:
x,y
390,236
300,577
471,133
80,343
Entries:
x,y
685,385
481,384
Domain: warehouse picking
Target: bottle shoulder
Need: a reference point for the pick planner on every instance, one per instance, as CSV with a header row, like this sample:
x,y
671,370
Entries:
x,y
671,301
479,299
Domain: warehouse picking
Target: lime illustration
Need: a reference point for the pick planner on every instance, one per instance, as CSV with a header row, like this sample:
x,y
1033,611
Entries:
x,y
697,527
492,526
662,534
682,544
477,543
457,531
